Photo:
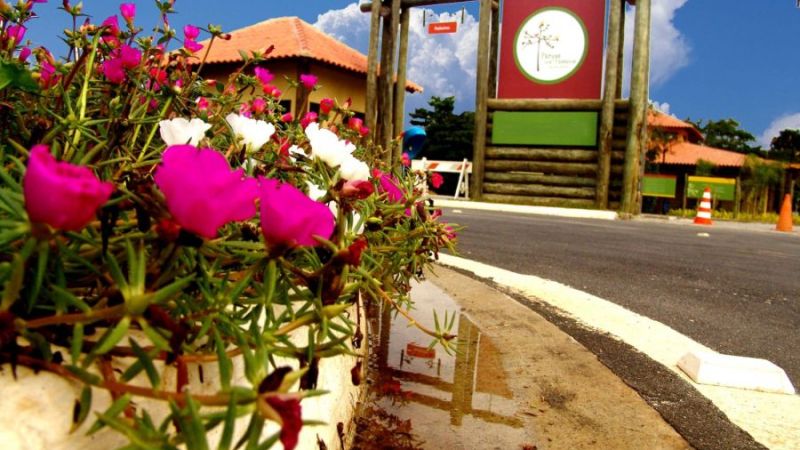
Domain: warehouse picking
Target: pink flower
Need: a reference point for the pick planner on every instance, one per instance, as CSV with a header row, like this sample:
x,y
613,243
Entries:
x,y
289,217
125,57
326,105
355,124
310,117
286,118
308,80
60,194
113,71
128,11
201,190
288,408
202,104
406,160
436,180
259,105
47,75
276,92
16,33
389,185
264,76
358,189
112,26
192,45
24,53
190,32
363,131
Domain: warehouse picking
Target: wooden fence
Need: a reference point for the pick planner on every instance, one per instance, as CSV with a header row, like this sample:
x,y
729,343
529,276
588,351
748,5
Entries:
x,y
520,169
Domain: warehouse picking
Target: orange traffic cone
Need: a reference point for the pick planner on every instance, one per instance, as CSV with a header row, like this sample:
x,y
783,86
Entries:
x,y
703,216
785,219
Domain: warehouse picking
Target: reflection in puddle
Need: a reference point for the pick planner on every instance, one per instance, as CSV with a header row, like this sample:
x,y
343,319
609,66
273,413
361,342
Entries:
x,y
422,397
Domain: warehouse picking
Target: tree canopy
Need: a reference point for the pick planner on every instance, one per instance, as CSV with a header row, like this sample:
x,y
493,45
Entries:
x,y
449,135
726,134
786,146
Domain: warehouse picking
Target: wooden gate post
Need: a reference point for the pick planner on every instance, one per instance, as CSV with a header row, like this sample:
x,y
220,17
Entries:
x,y
637,121
609,94
400,85
481,97
370,111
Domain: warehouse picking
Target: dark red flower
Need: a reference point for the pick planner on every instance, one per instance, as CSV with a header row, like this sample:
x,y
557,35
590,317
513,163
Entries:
x,y
288,408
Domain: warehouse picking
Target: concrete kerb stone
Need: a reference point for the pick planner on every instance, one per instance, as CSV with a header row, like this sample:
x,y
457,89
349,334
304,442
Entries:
x,y
526,209
772,419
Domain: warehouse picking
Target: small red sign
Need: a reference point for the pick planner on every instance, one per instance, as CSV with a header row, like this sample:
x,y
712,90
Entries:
x,y
419,351
442,27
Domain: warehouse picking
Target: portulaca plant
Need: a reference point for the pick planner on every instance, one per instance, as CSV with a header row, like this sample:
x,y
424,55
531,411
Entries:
x,y
151,216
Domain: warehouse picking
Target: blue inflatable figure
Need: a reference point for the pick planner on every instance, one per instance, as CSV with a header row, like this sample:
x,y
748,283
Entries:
x,y
413,139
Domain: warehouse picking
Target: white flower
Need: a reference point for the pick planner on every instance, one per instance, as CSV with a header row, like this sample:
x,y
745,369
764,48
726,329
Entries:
x,y
315,192
352,169
180,131
326,146
254,133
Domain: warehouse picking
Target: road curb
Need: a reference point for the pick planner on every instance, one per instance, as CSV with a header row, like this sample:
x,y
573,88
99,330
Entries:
x,y
772,419
526,209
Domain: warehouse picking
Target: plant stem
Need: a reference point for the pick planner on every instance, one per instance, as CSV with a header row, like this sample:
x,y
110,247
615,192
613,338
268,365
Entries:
x,y
66,319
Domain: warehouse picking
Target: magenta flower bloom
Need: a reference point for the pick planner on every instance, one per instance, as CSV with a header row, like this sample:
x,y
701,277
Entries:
x,y
112,26
113,71
125,57
202,104
390,186
191,32
436,180
289,217
24,53
201,190
47,75
406,160
192,45
308,80
355,124
326,105
60,194
287,117
264,76
310,117
259,105
128,11
16,33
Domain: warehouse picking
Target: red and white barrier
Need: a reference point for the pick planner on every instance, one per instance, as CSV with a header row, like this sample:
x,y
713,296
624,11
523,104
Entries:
x,y
462,168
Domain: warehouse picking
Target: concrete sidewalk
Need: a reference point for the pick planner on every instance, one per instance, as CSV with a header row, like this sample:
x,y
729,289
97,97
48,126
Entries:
x,y
555,392
772,419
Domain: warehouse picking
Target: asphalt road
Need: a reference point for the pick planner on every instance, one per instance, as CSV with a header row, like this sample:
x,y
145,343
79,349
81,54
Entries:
x,y
736,291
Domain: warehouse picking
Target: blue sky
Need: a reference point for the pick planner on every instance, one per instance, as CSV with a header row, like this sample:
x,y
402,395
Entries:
x,y
711,59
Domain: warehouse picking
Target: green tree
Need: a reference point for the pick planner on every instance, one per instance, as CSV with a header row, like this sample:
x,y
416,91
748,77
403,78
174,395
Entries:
x,y
786,146
758,177
726,134
449,135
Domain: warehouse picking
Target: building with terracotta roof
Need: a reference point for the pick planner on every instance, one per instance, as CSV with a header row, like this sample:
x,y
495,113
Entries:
x,y
298,48
684,146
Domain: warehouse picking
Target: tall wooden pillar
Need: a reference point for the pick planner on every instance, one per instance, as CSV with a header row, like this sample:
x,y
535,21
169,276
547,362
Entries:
x,y
371,108
481,97
637,119
615,33
390,25
621,51
400,85
494,50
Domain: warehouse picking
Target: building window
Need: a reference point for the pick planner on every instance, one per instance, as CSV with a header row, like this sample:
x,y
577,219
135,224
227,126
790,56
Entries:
x,y
286,105
313,107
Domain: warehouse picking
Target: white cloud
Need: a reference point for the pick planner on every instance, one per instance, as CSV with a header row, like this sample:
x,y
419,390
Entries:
x,y
661,106
788,121
669,49
442,64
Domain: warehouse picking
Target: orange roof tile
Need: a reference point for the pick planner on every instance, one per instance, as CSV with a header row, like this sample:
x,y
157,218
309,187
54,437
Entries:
x,y
687,153
657,119
292,38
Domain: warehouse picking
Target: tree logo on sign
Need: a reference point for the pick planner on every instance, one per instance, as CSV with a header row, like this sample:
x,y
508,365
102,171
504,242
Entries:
x,y
550,45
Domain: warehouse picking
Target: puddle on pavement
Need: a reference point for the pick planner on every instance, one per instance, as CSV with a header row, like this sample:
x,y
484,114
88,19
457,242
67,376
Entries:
x,y
421,398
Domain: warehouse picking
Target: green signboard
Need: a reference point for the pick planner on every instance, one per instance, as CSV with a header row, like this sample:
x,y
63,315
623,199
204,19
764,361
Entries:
x,y
571,128
721,188
659,185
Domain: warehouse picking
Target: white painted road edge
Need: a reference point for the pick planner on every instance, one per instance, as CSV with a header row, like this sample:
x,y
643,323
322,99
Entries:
x,y
772,419
440,202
